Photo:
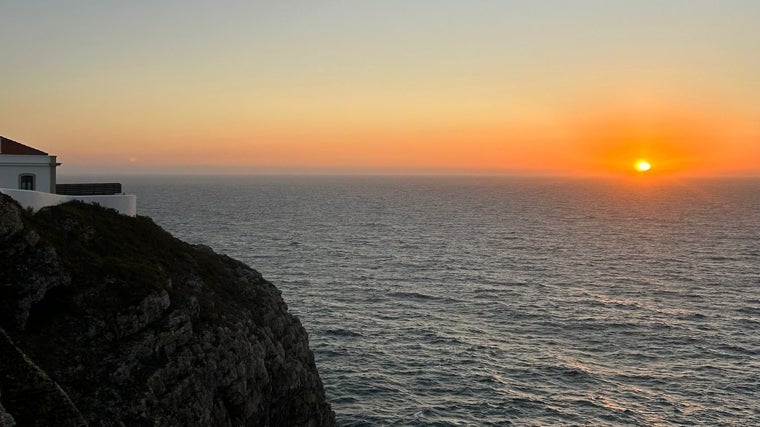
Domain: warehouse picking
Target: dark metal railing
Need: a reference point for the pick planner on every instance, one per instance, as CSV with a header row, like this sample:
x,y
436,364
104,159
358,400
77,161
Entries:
x,y
93,189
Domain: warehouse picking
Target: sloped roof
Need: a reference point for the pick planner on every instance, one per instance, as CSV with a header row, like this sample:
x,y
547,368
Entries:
x,y
9,146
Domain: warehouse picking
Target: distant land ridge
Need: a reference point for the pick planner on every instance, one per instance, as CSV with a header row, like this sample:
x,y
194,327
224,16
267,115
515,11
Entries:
x,y
107,320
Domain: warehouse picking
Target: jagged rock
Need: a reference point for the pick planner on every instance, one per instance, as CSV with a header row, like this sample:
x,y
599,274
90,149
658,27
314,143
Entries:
x,y
6,420
10,218
135,327
29,271
23,383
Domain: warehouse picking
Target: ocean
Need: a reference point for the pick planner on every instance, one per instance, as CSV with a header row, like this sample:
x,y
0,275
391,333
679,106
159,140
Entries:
x,y
458,301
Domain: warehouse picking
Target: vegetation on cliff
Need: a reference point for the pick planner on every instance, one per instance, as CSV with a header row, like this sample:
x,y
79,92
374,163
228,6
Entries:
x,y
107,320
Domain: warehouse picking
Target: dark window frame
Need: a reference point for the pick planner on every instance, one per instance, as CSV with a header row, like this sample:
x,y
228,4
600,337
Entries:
x,y
27,181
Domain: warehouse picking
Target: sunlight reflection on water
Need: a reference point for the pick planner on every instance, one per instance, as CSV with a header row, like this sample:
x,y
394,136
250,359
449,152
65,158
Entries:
x,y
487,301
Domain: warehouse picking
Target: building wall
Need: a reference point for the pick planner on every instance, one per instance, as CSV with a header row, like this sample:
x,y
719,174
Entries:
x,y
36,200
13,165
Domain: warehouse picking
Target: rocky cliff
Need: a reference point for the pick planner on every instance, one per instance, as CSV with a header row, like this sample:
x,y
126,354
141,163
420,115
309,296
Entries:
x,y
109,320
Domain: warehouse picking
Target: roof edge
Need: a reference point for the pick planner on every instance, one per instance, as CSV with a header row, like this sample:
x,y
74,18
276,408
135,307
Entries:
x,y
9,146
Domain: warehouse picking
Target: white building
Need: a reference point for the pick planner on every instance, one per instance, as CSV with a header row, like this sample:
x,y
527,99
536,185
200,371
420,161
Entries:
x,y
26,168
29,176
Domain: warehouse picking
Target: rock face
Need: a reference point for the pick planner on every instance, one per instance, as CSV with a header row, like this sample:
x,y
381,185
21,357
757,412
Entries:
x,y
109,320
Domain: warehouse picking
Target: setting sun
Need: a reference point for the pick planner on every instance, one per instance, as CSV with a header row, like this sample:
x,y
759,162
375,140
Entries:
x,y
642,166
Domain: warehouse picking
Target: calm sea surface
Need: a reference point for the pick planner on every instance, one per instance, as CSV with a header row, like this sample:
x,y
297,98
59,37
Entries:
x,y
498,301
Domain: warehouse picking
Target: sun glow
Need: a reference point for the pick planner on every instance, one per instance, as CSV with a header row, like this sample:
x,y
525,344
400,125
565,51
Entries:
x,y
642,166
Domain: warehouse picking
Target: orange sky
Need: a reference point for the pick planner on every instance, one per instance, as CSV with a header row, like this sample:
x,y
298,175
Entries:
x,y
577,87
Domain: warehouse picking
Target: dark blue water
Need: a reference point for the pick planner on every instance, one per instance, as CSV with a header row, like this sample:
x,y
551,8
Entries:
x,y
497,301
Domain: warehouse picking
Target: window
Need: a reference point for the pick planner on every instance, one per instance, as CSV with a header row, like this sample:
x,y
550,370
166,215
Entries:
x,y
26,182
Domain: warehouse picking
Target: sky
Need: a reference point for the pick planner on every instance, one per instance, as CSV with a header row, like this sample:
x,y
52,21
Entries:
x,y
570,87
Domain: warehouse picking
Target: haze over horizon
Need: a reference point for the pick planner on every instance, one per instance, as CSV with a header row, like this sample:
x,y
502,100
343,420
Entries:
x,y
544,87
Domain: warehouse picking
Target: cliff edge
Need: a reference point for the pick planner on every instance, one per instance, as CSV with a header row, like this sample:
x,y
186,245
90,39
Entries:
x,y
109,320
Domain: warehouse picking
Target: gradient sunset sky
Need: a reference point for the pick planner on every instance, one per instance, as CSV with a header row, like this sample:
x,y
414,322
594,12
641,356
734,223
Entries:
x,y
558,87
